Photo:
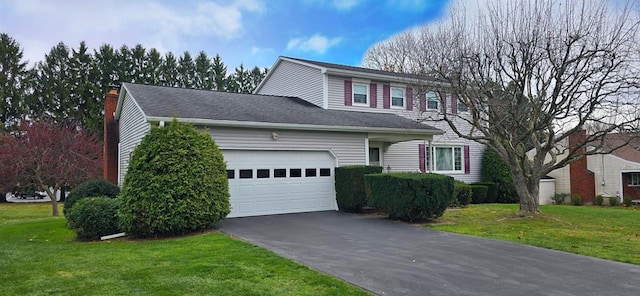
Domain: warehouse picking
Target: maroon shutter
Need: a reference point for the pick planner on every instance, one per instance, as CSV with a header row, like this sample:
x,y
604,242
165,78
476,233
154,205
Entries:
x,y
409,98
348,94
467,161
386,96
423,102
421,157
373,93
454,103
443,102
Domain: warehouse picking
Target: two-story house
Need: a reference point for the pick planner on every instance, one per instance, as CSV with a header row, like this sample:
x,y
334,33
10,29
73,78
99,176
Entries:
x,y
283,143
340,87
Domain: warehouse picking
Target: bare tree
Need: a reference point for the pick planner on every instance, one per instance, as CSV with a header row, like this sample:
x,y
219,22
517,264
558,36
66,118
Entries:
x,y
531,74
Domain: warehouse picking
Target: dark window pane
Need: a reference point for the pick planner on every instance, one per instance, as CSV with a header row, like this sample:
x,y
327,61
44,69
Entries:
x,y
262,173
295,173
246,174
279,173
231,174
310,172
325,172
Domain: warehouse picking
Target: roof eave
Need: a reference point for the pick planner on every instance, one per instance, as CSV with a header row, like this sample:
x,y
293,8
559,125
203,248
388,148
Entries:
x,y
290,126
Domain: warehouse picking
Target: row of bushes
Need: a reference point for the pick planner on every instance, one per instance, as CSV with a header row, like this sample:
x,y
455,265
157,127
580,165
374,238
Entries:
x,y
405,196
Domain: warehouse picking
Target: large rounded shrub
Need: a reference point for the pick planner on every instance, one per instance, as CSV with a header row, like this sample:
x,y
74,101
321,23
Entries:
x,y
495,170
93,217
176,183
95,187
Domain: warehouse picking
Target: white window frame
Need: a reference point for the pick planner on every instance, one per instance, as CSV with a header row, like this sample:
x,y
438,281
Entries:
x,y
366,93
431,159
404,96
435,98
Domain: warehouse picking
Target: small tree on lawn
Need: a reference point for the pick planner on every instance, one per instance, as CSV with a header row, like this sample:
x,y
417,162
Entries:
x,y
46,156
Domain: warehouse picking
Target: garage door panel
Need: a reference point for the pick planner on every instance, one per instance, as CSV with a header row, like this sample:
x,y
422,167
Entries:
x,y
301,189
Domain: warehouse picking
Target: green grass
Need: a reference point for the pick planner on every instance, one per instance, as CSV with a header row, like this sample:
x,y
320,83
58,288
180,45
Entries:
x,y
39,256
602,232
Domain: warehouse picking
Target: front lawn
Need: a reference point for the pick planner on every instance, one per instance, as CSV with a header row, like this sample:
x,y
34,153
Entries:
x,y
39,256
603,232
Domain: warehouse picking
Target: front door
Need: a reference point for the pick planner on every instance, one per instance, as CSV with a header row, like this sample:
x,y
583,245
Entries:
x,y
375,156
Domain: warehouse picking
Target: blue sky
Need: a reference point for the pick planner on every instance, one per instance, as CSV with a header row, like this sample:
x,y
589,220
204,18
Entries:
x,y
252,32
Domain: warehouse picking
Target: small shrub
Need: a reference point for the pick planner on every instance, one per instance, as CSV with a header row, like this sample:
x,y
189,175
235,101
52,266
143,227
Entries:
x,y
93,217
599,200
627,201
461,193
613,201
492,191
479,193
176,183
350,189
576,200
495,170
95,187
559,198
409,196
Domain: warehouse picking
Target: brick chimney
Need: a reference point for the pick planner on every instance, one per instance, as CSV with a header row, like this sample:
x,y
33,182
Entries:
x,y
582,180
110,141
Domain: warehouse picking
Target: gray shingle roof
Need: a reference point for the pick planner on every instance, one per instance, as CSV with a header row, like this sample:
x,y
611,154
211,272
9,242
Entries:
x,y
366,70
160,101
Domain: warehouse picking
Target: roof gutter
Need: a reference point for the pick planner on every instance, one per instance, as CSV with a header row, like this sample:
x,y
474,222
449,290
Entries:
x,y
290,126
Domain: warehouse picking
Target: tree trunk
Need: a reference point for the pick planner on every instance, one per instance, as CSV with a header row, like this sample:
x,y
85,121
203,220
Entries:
x,y
54,201
528,189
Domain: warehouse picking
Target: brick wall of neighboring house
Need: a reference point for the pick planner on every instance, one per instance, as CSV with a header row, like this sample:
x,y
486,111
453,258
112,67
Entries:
x,y
628,190
110,140
582,179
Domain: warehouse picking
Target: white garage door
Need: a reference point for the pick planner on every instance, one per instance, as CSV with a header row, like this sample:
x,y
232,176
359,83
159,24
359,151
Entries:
x,y
279,182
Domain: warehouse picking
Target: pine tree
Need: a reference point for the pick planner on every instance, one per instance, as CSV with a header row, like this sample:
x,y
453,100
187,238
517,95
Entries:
x,y
85,105
218,74
14,79
52,89
106,61
153,67
169,71
186,71
203,72
139,64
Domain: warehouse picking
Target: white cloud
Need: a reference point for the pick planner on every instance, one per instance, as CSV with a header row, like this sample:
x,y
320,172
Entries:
x,y
316,43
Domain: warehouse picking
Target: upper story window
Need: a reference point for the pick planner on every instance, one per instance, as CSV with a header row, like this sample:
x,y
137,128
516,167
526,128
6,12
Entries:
x,y
462,107
432,101
360,94
397,97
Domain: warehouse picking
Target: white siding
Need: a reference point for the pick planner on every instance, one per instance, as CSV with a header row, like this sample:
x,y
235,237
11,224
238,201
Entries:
x,y
133,127
349,148
295,80
609,168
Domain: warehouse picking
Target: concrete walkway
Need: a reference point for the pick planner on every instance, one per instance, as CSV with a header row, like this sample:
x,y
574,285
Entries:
x,y
394,258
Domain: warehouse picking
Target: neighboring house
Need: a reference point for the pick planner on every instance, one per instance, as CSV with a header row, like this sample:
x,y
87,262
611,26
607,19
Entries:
x,y
347,88
614,174
281,151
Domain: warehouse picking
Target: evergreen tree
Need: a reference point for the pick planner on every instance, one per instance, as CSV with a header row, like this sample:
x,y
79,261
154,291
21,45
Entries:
x,y
85,98
203,72
124,65
153,68
218,74
186,71
169,71
106,62
52,88
139,64
13,82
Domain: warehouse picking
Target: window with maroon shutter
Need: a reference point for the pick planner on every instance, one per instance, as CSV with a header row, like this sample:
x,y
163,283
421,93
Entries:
x,y
432,100
386,96
409,98
454,103
421,157
423,102
467,160
347,93
373,93
443,102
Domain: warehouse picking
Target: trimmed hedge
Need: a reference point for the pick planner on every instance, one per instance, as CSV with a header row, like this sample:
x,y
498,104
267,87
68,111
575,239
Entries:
x,y
492,191
350,190
409,196
461,193
176,183
93,217
479,194
95,187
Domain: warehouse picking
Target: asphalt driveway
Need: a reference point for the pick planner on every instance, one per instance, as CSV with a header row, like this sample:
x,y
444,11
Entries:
x,y
394,258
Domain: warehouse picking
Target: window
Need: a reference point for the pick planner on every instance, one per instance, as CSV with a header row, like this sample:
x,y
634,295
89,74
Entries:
x,y
432,101
445,159
262,173
397,97
231,174
325,172
634,179
462,107
295,173
279,173
246,174
360,93
310,172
